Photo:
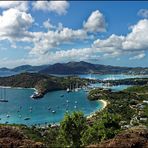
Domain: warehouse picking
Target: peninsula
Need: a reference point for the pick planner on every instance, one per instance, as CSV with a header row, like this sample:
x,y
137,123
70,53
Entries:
x,y
41,82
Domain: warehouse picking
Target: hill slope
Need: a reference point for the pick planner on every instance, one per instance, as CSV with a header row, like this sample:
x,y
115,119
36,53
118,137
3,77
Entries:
x,y
132,138
28,68
12,136
81,68
74,68
43,83
85,68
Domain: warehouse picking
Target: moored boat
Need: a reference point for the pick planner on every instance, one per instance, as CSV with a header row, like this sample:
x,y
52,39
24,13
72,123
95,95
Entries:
x,y
3,95
27,118
3,100
53,111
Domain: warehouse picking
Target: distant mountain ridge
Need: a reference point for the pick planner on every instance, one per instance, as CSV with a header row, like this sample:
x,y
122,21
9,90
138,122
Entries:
x,y
76,68
24,68
28,68
86,68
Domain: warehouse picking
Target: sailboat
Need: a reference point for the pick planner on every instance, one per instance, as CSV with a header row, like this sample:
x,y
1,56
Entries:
x,y
3,95
69,89
76,89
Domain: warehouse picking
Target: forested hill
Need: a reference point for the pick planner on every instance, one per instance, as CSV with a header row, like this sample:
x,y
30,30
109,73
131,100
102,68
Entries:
x,y
82,68
77,68
85,68
43,83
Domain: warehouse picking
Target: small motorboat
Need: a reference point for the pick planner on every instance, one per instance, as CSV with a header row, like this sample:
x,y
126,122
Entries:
x,y
30,107
62,96
27,118
3,100
8,116
53,111
49,108
75,106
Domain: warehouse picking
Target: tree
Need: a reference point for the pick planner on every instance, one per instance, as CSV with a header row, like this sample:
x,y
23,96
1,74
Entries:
x,y
72,129
104,128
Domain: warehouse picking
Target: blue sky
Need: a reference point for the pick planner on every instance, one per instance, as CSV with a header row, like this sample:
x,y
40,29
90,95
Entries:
x,y
46,32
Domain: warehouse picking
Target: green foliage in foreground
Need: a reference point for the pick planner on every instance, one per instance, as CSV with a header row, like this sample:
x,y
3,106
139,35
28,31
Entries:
x,y
75,132
102,129
72,129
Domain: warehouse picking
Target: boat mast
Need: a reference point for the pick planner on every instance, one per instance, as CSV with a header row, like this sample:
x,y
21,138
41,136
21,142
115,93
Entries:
x,y
77,85
1,92
70,86
4,93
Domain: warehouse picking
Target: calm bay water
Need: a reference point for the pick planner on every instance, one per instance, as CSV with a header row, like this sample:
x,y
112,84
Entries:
x,y
111,77
21,106
114,88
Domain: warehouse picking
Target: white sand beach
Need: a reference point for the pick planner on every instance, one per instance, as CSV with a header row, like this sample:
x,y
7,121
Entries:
x,y
104,103
94,113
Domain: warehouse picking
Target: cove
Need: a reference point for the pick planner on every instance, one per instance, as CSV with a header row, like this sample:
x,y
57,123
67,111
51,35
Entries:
x,y
50,109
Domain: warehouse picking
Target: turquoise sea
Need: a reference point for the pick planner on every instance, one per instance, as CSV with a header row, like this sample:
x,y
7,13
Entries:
x,y
111,76
21,106
52,107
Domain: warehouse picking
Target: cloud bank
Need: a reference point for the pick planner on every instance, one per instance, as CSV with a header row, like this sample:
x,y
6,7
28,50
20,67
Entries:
x,y
16,22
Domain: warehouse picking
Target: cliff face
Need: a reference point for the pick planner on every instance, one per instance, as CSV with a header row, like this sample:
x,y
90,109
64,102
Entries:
x,y
136,137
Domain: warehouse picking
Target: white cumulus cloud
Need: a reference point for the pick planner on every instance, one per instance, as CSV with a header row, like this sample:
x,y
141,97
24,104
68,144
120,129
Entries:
x,y
137,39
47,24
95,22
14,24
59,7
21,5
44,42
138,57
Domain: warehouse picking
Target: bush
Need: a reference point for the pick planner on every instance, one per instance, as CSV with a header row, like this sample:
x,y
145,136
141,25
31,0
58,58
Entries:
x,y
105,128
72,129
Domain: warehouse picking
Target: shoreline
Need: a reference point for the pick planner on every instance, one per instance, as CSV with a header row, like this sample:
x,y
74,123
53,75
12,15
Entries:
x,y
103,102
17,87
103,107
